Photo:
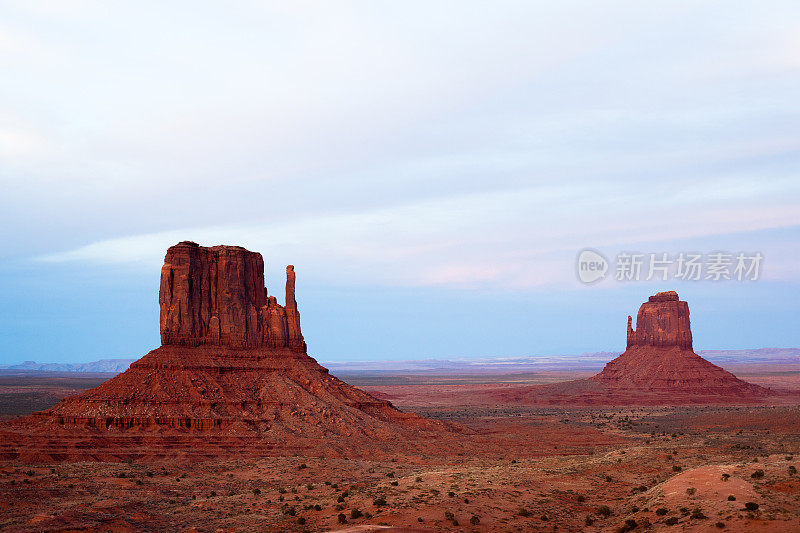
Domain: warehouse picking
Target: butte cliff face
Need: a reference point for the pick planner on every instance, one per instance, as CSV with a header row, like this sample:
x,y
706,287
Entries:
x,y
233,363
659,357
662,321
216,296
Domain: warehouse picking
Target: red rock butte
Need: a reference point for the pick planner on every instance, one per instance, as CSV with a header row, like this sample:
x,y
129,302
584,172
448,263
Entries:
x,y
659,357
232,363
658,367
216,296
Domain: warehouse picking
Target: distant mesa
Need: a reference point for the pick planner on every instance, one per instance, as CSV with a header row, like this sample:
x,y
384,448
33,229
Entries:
x,y
233,362
659,357
106,366
659,366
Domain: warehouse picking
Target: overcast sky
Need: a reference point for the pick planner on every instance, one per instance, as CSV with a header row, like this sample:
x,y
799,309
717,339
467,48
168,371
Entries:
x,y
431,168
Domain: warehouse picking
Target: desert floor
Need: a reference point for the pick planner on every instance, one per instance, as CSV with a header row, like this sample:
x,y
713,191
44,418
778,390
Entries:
x,y
695,468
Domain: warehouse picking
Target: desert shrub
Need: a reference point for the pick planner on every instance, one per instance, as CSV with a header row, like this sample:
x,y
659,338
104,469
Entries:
x,y
751,506
609,479
212,494
121,475
720,524
379,501
451,494
294,490
684,510
629,525
604,510
792,470
328,483
545,518
291,511
581,498
474,520
523,512
691,490
393,483
340,499
231,493
418,480
758,474
634,509
341,518
466,500
355,513
419,519
661,511
725,477
731,498
317,507
301,520
310,486
256,492
302,466
281,490
588,521
677,468
697,514
448,515
390,474
149,474
671,521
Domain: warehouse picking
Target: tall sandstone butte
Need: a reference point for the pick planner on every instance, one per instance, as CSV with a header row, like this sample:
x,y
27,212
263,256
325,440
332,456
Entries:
x,y
658,367
233,362
216,296
659,357
662,321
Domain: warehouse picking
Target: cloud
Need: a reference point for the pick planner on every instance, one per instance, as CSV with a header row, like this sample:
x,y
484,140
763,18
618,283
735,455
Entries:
x,y
15,144
481,148
512,239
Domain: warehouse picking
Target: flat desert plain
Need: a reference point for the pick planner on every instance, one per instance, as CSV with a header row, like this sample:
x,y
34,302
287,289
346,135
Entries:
x,y
524,468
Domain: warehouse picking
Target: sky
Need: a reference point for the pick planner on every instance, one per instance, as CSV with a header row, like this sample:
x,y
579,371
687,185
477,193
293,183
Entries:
x,y
432,169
